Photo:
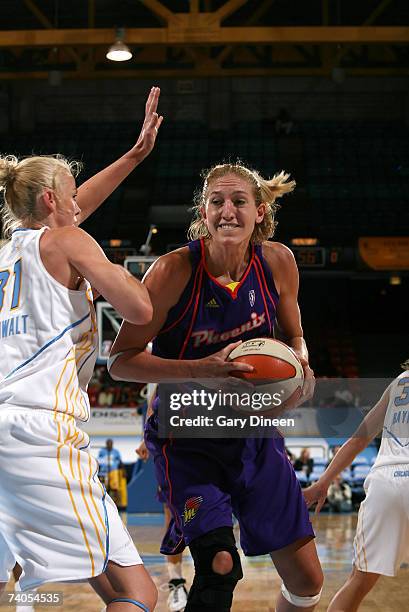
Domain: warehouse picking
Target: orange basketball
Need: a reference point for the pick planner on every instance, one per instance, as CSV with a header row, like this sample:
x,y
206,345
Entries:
x,y
277,370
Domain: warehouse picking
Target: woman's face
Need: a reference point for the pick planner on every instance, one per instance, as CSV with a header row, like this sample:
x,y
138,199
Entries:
x,y
67,208
230,210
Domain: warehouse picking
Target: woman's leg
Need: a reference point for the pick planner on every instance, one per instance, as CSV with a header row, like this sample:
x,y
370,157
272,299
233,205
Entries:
x,y
172,560
300,570
217,571
177,597
350,595
132,583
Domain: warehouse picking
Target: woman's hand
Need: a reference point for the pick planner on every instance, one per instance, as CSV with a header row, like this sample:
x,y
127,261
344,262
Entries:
x,y
216,372
150,127
142,451
316,493
218,366
309,383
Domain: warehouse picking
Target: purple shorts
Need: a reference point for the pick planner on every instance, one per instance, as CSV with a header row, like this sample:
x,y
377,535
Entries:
x,y
204,481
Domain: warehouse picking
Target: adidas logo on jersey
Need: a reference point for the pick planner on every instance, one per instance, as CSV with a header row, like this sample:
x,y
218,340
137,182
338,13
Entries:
x,y
212,304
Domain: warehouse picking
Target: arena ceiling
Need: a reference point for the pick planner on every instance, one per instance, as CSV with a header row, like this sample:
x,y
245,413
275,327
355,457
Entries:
x,y
193,38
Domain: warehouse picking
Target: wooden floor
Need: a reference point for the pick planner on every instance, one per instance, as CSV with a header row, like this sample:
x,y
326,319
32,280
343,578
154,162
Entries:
x,y
258,590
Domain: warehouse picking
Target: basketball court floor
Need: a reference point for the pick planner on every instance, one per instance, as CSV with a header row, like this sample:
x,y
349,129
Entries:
x,y
258,590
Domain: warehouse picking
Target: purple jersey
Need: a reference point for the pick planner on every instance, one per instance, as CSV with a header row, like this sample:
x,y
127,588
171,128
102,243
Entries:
x,y
209,316
205,480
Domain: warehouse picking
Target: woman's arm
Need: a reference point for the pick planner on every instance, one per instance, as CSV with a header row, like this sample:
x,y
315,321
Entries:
x,y
95,190
285,273
369,428
69,253
129,359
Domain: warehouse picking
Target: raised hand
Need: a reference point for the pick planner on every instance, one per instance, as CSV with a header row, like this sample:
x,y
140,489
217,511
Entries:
x,y
150,127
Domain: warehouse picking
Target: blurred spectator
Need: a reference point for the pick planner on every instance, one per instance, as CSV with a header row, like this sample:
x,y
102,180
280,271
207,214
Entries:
x,y
93,392
109,458
339,495
304,462
106,397
104,393
112,474
283,123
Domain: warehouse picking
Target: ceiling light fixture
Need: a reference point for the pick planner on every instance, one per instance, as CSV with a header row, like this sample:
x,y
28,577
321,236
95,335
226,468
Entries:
x,y
119,51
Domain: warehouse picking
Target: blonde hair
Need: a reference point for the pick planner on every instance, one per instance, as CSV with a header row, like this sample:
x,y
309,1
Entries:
x,y
23,181
265,191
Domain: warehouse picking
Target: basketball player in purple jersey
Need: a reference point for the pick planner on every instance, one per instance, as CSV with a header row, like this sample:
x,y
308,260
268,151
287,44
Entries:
x,y
228,284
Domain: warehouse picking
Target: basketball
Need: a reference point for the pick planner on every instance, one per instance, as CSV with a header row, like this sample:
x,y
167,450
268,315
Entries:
x,y
277,370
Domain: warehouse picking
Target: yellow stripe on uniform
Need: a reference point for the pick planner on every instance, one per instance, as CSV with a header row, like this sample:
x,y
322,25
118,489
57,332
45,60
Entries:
x,y
90,491
66,361
75,359
81,415
74,369
74,387
60,446
91,495
76,445
102,547
80,440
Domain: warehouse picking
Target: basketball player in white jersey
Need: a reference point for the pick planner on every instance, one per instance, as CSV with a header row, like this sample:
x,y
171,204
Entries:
x,y
382,537
56,520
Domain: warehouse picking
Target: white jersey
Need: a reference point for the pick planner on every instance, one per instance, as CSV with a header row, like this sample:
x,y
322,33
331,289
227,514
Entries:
x,y
394,449
48,333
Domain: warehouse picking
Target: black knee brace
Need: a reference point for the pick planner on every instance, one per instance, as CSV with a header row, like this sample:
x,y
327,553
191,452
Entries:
x,y
211,591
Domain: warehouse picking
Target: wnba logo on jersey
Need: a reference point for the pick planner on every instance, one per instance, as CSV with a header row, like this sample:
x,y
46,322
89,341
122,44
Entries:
x,y
192,505
252,297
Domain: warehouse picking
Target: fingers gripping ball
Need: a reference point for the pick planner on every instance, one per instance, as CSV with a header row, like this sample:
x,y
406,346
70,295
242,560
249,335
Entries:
x,y
277,370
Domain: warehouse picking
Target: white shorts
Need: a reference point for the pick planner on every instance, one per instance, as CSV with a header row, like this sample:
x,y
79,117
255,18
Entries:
x,y
381,542
7,560
56,519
